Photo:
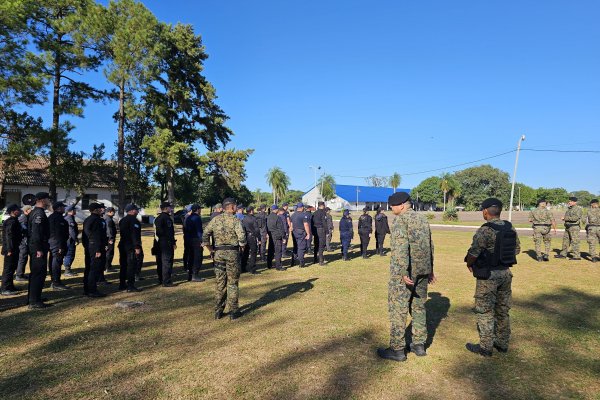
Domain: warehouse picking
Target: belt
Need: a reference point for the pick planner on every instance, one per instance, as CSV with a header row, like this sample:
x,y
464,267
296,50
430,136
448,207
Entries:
x,y
227,247
571,225
542,224
592,225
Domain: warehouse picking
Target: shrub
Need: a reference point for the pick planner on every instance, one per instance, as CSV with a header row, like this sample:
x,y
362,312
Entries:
x,y
430,216
450,215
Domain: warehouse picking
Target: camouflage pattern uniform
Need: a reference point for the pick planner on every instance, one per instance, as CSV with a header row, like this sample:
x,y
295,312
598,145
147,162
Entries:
x,y
226,231
593,230
411,255
542,220
572,226
492,296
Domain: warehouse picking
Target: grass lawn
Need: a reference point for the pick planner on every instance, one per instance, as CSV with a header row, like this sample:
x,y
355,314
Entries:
x,y
306,334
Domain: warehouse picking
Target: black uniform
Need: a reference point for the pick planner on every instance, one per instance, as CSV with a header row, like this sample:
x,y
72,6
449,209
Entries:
x,y
250,224
11,240
381,229
192,236
319,223
261,221
59,234
165,251
111,234
94,242
365,228
38,235
299,236
329,232
23,248
72,242
309,216
276,234
131,239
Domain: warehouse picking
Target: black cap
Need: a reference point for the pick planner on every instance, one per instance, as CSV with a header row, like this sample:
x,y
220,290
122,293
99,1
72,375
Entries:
x,y
58,204
109,209
285,204
398,198
240,207
42,195
249,209
195,207
572,198
594,201
12,208
95,206
541,201
229,200
321,203
165,204
131,207
491,202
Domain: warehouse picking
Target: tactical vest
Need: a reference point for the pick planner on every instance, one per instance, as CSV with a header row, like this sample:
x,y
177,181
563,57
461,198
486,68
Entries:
x,y
504,249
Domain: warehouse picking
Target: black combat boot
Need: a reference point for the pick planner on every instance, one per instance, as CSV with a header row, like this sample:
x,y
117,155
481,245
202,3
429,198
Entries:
x,y
501,349
218,314
545,257
540,258
475,348
69,272
133,289
559,256
390,354
595,259
235,315
418,349
321,261
59,286
9,292
196,278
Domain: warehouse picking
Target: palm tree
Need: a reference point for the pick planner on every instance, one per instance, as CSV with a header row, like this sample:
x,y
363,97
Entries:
x,y
445,186
327,183
279,182
395,180
257,193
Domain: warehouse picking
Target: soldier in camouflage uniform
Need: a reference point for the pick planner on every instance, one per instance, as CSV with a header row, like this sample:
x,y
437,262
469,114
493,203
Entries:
x,y
493,295
593,229
542,220
572,220
229,239
411,270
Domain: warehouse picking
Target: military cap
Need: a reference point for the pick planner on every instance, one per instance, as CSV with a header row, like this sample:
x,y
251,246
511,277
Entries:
x,y
572,198
285,204
12,208
70,208
58,204
398,198
491,202
250,208
131,207
300,205
218,205
109,209
95,206
274,207
42,195
228,201
165,204
541,201
594,201
194,207
240,207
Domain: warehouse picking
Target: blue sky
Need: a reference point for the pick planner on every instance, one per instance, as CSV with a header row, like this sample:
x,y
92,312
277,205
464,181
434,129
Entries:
x,y
364,88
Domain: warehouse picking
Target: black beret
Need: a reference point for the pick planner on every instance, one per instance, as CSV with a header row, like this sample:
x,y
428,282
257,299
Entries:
x,y
594,201
131,207
42,195
573,198
95,206
398,198
491,202
195,207
58,204
165,204
541,201
12,208
228,201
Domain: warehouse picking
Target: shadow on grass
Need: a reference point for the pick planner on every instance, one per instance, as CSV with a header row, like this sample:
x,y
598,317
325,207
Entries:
x,y
437,307
556,356
531,253
278,293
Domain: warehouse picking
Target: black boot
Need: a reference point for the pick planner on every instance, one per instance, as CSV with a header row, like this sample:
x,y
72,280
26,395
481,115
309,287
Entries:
x,y
219,314
501,349
235,315
321,260
545,257
475,348
418,349
595,259
540,258
390,354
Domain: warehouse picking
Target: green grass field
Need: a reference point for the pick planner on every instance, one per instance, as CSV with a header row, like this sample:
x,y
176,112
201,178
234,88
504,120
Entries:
x,y
306,334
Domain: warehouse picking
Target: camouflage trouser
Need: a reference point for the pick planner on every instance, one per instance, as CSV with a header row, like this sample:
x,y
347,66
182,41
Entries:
x,y
541,233
227,276
571,237
593,237
492,303
401,300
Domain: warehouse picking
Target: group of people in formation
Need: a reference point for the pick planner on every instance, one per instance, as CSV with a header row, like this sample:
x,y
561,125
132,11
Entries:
x,y
543,222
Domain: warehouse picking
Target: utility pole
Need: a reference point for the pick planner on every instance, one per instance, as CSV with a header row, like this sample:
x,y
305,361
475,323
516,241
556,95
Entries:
x,y
357,191
315,169
514,177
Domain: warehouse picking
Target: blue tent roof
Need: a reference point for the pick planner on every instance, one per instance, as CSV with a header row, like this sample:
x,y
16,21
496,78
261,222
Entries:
x,y
366,193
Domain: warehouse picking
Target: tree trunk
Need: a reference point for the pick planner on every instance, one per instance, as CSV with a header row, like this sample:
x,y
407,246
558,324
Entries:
x,y
2,180
55,125
445,201
170,186
121,150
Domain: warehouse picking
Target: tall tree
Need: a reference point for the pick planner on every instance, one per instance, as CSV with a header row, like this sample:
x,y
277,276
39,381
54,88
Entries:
x,y
395,180
479,183
59,29
444,186
428,191
128,32
377,181
327,187
279,183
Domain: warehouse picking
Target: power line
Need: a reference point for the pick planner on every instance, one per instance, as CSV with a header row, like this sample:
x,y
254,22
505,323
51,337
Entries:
x,y
563,151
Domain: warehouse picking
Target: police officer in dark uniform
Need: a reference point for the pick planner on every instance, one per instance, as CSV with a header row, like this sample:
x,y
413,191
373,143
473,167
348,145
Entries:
x,y
192,233
11,240
38,235
319,222
23,247
94,243
165,234
217,210
59,235
130,248
346,233
111,234
382,228
250,225
301,233
365,228
309,216
276,234
72,241
261,221
287,224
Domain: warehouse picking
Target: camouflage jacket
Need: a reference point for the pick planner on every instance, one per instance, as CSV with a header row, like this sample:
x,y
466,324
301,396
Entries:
x,y
541,216
593,216
226,230
485,238
574,215
412,248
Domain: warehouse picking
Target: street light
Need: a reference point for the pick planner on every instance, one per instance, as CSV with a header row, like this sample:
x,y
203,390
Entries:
x,y
315,169
514,177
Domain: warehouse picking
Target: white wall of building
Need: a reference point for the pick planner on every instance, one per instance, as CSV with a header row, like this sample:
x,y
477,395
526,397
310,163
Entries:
x,y
313,196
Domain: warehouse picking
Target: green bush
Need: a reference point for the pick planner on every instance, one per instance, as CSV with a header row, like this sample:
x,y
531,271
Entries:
x,y
430,216
450,215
